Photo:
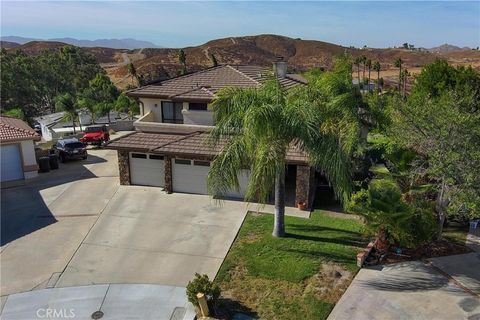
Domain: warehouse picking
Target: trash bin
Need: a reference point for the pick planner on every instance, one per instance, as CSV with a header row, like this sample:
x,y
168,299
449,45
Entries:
x,y
53,161
44,164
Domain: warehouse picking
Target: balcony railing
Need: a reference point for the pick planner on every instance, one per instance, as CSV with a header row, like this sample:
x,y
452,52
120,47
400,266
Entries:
x,y
148,123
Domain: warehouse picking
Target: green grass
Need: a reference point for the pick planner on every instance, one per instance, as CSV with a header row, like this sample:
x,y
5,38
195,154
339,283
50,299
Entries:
x,y
278,278
456,233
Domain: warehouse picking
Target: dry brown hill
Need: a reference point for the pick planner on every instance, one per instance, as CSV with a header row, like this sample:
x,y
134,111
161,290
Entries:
x,y
301,55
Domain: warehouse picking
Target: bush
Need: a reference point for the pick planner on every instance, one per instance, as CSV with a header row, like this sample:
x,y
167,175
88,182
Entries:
x,y
202,284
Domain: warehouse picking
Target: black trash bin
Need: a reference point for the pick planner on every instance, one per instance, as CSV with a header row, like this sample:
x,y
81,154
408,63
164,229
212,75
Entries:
x,y
53,161
44,164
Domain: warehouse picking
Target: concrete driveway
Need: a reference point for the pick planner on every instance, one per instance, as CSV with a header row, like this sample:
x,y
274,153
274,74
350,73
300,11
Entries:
x,y
442,288
77,226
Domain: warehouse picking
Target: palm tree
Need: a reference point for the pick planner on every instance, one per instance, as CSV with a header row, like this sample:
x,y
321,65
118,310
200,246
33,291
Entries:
x,y
182,58
398,64
369,67
376,67
364,61
357,62
132,71
255,127
68,104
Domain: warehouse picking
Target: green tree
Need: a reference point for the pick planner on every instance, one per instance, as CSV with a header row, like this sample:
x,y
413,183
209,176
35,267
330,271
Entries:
x,y
364,62
214,60
15,113
369,67
377,68
68,104
133,72
357,62
256,126
398,64
101,94
442,123
127,105
182,58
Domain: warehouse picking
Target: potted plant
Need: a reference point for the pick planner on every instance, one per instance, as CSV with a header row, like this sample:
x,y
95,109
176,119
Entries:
x,y
302,205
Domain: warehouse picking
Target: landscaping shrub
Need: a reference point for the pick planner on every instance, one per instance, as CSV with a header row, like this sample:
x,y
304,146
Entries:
x,y
202,284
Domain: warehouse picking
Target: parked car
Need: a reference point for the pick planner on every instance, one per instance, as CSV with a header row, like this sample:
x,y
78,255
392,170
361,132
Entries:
x,y
97,135
68,149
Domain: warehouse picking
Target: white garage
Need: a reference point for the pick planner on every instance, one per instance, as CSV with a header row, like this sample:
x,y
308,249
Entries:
x,y
190,176
11,163
147,169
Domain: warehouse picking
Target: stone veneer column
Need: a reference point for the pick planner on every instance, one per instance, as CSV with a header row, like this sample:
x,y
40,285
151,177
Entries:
x,y
123,167
168,175
304,185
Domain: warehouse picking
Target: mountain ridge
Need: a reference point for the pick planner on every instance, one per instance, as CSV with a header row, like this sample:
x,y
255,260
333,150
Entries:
x,y
126,43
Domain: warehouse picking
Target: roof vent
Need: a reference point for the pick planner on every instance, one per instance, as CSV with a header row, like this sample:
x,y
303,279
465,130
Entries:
x,y
280,67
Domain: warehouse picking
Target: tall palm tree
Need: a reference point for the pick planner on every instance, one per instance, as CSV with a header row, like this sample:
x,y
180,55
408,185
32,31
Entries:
x,y
369,67
255,127
68,104
398,64
364,62
377,68
357,62
182,58
132,71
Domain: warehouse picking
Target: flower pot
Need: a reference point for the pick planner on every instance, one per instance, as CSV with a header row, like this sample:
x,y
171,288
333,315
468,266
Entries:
x,y
302,206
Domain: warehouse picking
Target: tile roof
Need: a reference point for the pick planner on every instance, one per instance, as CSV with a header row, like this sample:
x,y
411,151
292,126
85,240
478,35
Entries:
x,y
13,129
189,145
203,85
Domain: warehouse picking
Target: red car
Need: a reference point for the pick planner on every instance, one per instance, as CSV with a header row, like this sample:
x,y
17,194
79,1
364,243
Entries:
x,y
97,135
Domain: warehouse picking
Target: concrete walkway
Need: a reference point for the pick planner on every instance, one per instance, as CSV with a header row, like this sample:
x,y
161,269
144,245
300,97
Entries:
x,y
441,288
115,301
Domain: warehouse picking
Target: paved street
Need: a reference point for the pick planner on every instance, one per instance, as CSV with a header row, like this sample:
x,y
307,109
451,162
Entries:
x,y
444,288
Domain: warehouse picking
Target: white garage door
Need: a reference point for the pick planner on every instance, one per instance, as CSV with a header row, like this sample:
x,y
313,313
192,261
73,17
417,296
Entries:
x,y
190,176
11,163
147,169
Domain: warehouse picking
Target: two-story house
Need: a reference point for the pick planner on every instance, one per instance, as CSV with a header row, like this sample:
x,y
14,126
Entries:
x,y
168,150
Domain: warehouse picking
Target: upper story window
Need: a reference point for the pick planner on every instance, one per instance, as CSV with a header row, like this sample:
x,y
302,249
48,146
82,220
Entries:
x,y
172,112
197,106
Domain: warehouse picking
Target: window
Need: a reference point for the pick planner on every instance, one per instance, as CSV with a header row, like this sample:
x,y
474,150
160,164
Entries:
x,y
139,155
172,112
197,106
182,161
156,157
201,163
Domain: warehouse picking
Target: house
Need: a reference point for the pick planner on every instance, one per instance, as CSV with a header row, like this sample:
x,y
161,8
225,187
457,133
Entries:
x,y
53,126
168,146
17,151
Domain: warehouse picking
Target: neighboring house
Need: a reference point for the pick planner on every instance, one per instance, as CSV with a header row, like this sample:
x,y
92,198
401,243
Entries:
x,y
53,126
17,151
168,149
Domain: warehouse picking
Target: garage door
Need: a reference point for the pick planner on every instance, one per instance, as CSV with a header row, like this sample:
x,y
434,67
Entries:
x,y
190,176
11,163
147,169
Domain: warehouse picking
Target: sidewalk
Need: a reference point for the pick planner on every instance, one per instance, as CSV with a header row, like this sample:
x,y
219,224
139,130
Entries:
x,y
115,301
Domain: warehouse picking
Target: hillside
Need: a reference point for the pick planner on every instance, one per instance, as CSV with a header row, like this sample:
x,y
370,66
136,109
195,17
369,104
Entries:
x,y
301,55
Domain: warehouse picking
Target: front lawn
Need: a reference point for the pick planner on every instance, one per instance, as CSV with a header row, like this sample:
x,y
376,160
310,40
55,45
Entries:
x,y
300,276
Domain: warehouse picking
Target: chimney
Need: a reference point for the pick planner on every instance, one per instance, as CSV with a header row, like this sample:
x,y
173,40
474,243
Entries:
x,y
280,67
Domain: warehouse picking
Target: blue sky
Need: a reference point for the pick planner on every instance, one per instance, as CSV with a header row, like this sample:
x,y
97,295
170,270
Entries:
x,y
179,24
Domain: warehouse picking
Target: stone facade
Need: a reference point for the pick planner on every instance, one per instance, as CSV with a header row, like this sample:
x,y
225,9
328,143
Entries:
x,y
305,186
168,175
124,167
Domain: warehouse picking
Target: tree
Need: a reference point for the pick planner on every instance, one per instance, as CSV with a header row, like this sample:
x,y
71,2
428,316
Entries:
x,y
182,58
398,64
440,120
256,126
377,68
100,95
15,113
369,66
68,104
214,60
127,105
364,62
132,71
357,62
